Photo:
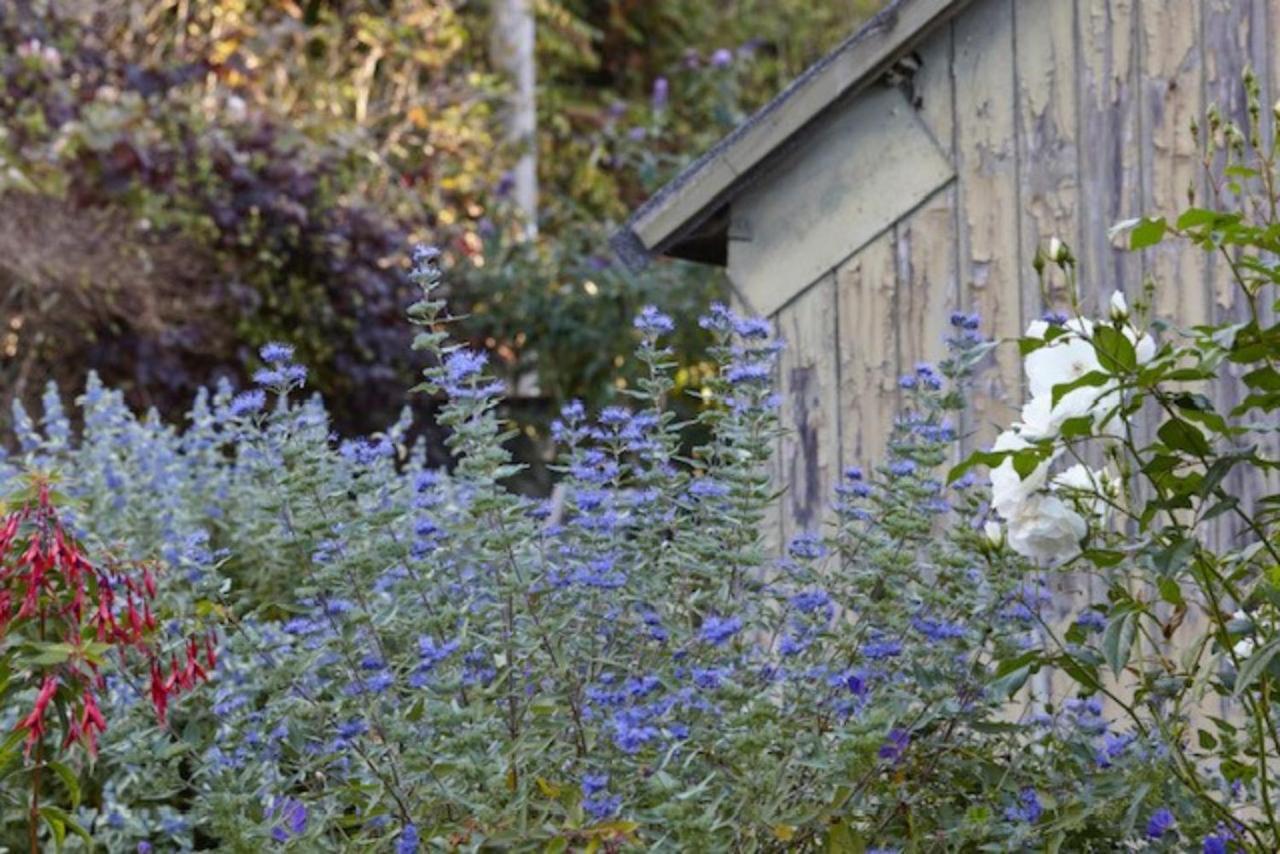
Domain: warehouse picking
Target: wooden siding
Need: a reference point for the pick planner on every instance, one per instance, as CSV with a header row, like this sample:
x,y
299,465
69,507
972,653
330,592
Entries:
x,y
1055,118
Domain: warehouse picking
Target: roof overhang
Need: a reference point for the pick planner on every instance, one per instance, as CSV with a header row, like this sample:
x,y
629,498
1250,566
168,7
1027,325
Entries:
x,y
688,218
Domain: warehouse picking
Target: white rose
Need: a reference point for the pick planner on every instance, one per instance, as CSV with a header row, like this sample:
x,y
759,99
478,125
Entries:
x,y
1090,489
1038,329
1144,346
994,533
1063,360
1046,530
1008,489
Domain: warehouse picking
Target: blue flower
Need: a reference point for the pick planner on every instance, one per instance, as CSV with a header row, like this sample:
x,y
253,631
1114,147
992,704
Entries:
x,y
653,322
1160,823
407,842
602,806
1092,620
752,327
938,630
247,403
705,487
895,745
809,601
717,630
1027,809
928,376
1113,745
1217,843
275,353
594,783
877,649
748,372
352,728
806,546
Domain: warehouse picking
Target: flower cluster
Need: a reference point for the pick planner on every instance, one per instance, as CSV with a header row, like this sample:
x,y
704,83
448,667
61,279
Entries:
x,y
1073,373
68,613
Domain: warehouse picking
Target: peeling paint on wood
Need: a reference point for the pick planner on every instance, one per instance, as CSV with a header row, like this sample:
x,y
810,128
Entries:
x,y
986,165
928,287
1061,117
1045,46
809,458
866,293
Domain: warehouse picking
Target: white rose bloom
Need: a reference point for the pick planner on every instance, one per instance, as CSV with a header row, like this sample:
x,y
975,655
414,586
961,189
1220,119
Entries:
x,y
1144,346
993,532
1038,329
1061,361
1008,489
1046,530
1080,479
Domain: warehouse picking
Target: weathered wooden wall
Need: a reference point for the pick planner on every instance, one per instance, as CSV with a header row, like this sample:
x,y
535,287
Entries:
x,y
1031,119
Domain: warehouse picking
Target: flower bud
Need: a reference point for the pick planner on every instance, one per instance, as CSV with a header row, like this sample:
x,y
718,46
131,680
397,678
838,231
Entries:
x,y
1119,307
994,532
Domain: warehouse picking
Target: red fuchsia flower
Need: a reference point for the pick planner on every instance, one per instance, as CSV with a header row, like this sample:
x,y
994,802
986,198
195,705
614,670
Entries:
x,y
53,586
34,722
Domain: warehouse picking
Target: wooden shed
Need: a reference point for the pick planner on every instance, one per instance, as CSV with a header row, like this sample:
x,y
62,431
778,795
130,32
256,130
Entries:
x,y
915,170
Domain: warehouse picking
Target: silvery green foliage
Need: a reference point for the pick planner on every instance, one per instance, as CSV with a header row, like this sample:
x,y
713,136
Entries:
x,y
414,658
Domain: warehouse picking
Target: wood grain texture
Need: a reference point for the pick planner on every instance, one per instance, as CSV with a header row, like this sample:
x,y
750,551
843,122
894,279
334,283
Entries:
x,y
866,298
1048,173
829,197
934,88
986,164
1111,148
928,284
1172,85
809,457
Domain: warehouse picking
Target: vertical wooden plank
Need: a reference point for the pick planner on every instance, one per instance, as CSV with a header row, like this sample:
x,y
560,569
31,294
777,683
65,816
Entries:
x,y
1171,101
866,291
1225,32
1045,53
1110,153
987,204
809,461
933,87
928,287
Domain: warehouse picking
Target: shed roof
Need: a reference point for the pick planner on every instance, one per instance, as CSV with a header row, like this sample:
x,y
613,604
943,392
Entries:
x,y
688,218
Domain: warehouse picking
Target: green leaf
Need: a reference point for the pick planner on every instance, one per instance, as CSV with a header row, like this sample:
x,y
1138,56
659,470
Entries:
x,y
1193,217
1117,640
1206,739
1148,232
1170,591
1115,350
1254,667
1264,379
1183,436
69,780
840,839
1093,378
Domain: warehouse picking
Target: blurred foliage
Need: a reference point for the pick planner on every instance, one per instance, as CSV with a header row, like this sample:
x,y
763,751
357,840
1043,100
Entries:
x,y
217,174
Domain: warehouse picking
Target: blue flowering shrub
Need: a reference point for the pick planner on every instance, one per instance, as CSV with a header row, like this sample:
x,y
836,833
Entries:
x,y
416,659
413,658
